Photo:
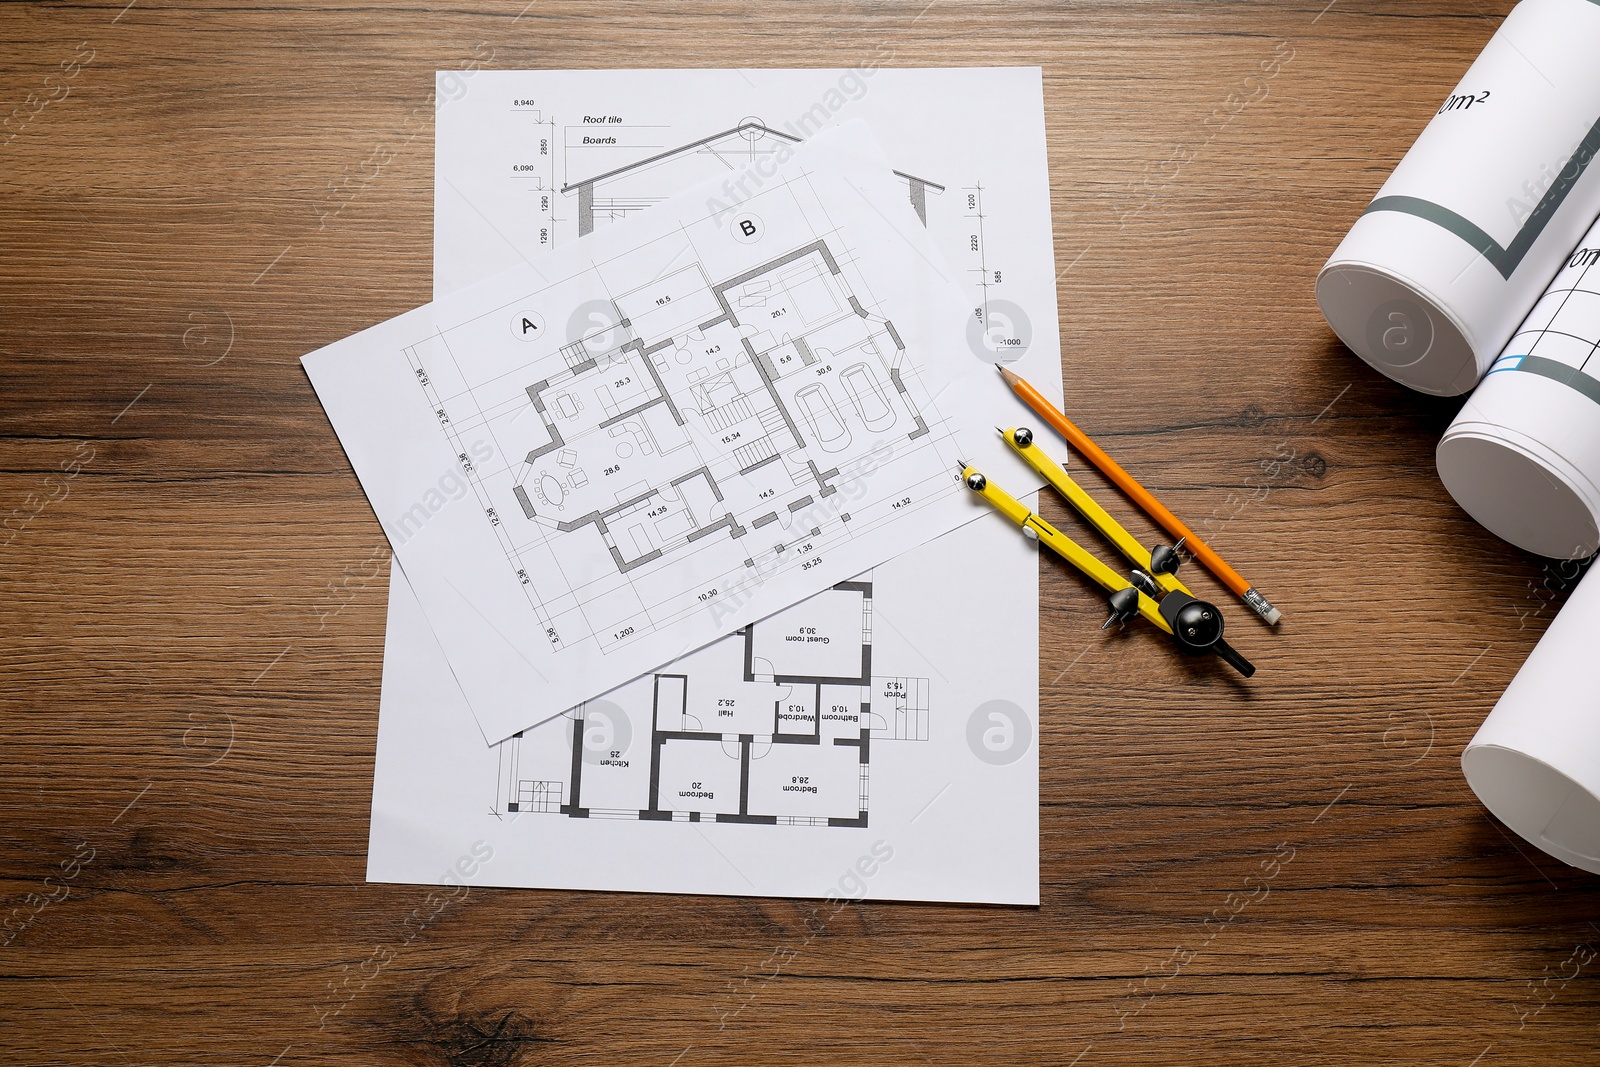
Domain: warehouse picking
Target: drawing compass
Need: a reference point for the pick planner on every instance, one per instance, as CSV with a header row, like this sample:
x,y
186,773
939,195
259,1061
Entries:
x,y
1151,590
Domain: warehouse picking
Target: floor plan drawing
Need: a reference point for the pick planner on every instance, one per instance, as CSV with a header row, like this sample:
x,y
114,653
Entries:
x,y
594,465
730,413
719,424
767,762
773,725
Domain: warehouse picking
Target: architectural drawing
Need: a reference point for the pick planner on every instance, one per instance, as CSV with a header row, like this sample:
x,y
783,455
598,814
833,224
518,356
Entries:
x,y
634,185
621,144
963,826
693,431
596,463
773,725
719,431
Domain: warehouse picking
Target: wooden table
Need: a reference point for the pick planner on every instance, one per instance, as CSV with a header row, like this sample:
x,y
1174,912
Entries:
x,y
192,644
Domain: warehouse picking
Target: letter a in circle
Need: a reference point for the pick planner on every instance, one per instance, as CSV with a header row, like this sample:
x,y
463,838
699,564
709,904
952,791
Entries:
x,y
527,326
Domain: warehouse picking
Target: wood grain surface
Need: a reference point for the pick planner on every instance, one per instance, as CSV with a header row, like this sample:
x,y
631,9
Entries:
x,y
190,671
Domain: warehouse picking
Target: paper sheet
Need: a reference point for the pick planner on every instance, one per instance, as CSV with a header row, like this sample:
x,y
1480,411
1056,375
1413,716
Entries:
x,y
1523,455
774,401
1436,274
1535,762
924,679
859,744
529,160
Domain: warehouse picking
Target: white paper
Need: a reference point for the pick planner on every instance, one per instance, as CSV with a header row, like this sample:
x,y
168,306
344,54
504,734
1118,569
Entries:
x,y
774,769
514,176
975,681
1433,279
1535,762
1523,455
756,421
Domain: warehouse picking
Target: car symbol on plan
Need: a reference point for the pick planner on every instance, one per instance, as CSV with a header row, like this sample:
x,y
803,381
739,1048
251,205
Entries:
x,y
821,418
869,400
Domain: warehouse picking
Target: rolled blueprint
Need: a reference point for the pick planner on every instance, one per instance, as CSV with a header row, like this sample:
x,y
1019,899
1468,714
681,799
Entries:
x,y
1535,762
1438,271
1523,455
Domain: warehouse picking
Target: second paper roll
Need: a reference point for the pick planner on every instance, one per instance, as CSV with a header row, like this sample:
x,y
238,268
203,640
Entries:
x,y
1523,455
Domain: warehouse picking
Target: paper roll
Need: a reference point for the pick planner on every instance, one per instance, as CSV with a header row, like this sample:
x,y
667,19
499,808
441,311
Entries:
x,y
1523,455
1535,762
1434,277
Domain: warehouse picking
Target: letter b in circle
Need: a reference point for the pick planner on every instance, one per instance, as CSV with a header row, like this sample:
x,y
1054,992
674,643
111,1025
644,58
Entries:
x,y
747,228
